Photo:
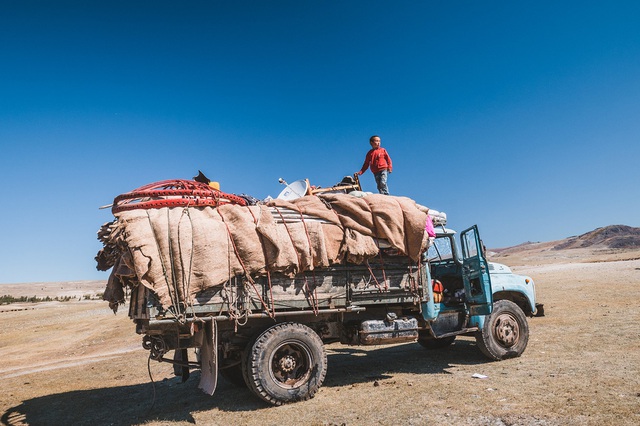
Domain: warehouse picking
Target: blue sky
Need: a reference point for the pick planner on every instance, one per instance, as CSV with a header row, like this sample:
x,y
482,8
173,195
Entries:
x,y
521,117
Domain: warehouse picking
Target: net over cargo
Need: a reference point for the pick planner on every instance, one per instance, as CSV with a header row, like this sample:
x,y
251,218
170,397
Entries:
x,y
178,252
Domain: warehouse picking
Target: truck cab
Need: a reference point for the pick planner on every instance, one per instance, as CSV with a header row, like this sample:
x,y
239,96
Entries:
x,y
456,266
467,292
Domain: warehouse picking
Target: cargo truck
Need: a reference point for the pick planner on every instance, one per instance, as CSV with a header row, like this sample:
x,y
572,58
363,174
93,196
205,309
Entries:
x,y
266,327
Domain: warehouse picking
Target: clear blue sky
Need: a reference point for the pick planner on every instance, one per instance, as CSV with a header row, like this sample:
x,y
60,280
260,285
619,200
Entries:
x,y
522,117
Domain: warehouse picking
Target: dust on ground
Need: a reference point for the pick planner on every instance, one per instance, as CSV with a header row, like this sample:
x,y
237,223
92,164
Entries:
x,y
78,363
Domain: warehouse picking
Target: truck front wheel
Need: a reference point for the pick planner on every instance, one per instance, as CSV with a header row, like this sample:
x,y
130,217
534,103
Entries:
x,y
505,333
286,363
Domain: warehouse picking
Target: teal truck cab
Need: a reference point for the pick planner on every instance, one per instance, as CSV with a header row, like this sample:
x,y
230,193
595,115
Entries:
x,y
473,296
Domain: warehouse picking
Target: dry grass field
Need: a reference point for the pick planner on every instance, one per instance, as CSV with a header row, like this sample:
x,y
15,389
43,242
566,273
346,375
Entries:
x,y
78,363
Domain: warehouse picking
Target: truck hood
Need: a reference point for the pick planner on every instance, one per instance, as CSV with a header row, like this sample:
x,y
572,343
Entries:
x,y
499,268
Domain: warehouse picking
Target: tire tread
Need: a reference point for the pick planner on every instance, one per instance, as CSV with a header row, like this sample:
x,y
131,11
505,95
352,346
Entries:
x,y
255,349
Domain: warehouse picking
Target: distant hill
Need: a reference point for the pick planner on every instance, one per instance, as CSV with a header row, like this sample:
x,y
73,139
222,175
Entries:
x,y
612,236
613,242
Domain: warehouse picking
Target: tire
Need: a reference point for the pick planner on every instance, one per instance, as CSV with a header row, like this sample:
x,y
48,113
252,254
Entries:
x,y
505,333
433,343
286,363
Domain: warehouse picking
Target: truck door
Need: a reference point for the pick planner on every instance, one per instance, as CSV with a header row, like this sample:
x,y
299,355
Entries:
x,y
475,273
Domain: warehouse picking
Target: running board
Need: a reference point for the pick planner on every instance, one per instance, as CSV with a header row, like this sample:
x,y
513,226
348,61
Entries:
x,y
458,332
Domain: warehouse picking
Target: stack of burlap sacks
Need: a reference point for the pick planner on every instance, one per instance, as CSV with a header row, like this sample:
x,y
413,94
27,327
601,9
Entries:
x,y
188,250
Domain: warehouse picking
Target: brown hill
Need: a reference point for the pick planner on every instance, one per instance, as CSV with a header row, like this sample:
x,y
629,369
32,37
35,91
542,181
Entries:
x,y
609,243
612,236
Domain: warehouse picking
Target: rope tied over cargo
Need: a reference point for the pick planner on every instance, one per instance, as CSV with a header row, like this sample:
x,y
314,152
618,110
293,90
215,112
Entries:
x,y
179,315
240,317
186,280
284,222
171,286
266,267
413,284
244,268
404,234
384,274
309,293
313,294
330,207
375,280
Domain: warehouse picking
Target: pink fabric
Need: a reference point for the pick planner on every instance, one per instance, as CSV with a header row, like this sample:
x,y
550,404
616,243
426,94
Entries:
x,y
428,227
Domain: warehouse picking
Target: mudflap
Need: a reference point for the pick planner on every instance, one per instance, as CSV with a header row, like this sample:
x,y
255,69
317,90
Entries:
x,y
209,358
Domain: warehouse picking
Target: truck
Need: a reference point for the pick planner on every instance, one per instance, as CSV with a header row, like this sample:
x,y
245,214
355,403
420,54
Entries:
x,y
269,332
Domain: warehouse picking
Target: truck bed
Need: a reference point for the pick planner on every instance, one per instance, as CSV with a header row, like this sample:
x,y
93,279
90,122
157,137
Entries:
x,y
387,279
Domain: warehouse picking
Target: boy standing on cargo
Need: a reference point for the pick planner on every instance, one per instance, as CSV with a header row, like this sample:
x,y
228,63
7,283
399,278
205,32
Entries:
x,y
380,163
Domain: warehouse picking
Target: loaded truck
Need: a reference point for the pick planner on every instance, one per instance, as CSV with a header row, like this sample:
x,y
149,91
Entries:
x,y
267,330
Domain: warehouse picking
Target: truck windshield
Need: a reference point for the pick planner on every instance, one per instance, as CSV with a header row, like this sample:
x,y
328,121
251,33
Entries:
x,y
440,250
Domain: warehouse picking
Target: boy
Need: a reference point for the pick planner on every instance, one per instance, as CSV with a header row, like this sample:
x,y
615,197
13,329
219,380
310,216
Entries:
x,y
380,163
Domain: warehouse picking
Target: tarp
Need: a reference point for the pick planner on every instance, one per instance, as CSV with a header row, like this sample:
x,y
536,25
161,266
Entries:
x,y
178,252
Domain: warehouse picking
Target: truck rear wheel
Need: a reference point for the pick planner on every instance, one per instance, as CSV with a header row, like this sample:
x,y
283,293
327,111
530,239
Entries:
x,y
505,333
286,363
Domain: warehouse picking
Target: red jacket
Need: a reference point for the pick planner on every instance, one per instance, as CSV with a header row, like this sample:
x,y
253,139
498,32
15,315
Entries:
x,y
378,159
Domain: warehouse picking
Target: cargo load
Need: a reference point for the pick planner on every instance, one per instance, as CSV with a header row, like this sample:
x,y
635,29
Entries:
x,y
178,252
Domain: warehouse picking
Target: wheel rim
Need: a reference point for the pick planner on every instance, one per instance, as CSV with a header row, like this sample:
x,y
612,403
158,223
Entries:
x,y
290,365
507,330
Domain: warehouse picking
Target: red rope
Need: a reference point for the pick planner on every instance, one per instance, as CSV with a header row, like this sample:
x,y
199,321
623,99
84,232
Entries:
x,y
373,276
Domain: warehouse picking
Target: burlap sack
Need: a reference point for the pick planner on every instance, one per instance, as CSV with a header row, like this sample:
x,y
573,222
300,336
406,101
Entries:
x,y
178,252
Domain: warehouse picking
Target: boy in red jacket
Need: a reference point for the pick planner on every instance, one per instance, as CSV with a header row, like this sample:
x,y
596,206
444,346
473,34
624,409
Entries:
x,y
380,163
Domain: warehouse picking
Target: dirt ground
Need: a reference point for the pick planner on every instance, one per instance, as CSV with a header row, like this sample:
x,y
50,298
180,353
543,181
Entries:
x,y
78,363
